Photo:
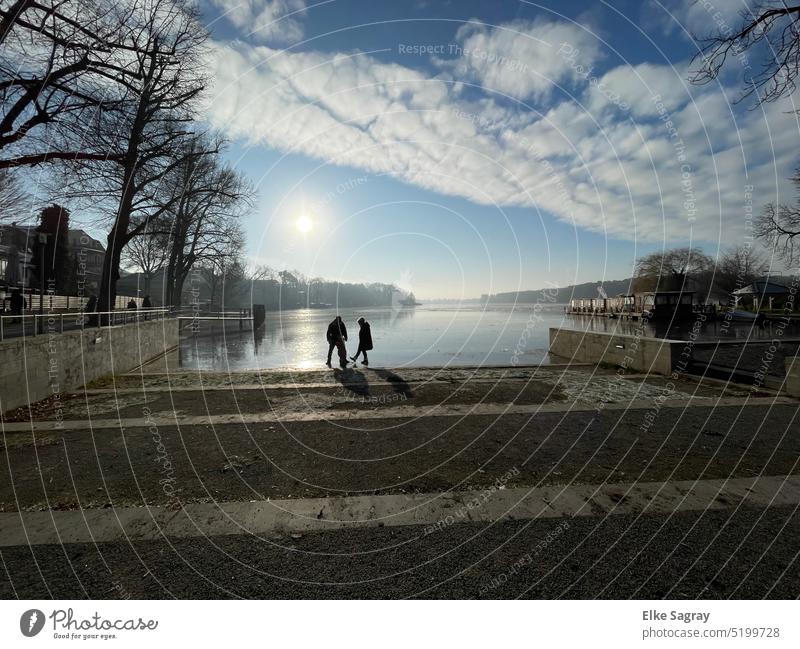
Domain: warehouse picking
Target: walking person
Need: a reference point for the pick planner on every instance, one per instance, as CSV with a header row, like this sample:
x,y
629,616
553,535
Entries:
x,y
17,304
364,341
147,304
90,308
337,335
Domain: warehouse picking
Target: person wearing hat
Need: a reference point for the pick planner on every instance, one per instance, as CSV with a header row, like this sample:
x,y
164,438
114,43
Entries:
x,y
364,341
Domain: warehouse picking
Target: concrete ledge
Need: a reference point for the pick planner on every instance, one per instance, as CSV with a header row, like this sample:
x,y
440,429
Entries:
x,y
33,368
637,353
432,511
392,412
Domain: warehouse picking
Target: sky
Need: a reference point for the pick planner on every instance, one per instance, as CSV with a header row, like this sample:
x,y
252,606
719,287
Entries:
x,y
457,148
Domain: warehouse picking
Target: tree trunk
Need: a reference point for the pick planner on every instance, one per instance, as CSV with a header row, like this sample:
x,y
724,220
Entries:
x,y
169,276
117,239
179,288
108,283
213,290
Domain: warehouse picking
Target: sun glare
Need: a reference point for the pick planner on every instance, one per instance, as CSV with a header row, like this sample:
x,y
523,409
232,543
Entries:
x,y
304,224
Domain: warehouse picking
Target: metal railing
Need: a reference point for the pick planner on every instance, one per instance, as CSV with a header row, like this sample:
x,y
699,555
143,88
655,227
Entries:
x,y
189,312
51,301
35,324
192,319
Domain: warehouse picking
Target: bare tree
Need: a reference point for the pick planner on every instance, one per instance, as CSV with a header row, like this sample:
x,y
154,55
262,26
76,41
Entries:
x,y
9,15
261,272
144,139
146,253
779,227
62,65
738,267
223,272
206,199
671,269
772,24
12,196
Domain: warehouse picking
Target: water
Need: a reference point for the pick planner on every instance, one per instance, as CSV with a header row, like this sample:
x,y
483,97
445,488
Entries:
x,y
428,335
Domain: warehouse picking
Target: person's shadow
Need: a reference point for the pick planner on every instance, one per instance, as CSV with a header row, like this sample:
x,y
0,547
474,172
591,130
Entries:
x,y
398,383
353,381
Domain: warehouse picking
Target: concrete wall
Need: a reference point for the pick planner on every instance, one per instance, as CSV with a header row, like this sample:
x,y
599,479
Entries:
x,y
34,368
639,354
792,385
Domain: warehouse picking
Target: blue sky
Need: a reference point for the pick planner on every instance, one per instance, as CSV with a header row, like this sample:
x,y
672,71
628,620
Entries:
x,y
461,148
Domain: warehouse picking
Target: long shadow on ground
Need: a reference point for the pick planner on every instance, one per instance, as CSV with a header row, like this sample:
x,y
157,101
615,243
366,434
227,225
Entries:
x,y
398,383
353,381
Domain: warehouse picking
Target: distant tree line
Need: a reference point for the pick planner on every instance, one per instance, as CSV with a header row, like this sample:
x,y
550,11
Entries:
x,y
675,269
291,289
221,286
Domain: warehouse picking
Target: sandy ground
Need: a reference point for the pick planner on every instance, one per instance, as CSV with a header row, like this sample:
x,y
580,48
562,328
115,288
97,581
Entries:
x,y
743,554
657,431
109,466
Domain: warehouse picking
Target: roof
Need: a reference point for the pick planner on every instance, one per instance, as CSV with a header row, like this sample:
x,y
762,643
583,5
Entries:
x,y
79,238
762,287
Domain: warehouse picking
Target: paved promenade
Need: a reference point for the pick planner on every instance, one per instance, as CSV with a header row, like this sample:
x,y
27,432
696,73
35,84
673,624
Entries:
x,y
499,482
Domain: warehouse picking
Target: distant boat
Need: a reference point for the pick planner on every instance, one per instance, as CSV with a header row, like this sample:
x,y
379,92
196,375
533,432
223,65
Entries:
x,y
410,301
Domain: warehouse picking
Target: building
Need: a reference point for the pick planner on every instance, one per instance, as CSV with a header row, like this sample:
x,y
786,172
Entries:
x,y
764,295
19,244
16,256
87,254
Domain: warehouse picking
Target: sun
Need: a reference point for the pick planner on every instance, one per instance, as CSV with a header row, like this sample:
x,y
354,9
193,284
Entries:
x,y
304,224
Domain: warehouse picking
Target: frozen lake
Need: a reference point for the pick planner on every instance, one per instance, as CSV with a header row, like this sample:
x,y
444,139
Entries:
x,y
427,335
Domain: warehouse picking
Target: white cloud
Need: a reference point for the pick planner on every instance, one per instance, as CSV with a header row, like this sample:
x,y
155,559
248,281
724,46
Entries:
x,y
695,18
275,21
638,85
522,59
624,173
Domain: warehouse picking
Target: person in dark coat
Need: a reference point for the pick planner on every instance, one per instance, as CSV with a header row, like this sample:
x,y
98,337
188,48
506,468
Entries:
x,y
91,307
147,304
17,302
364,340
132,304
337,335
